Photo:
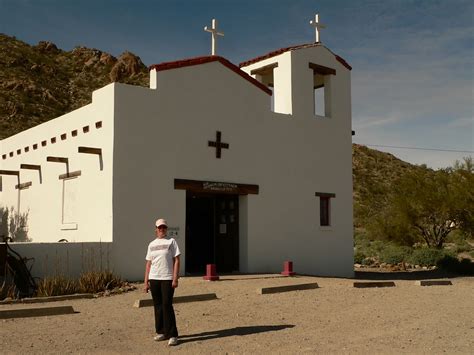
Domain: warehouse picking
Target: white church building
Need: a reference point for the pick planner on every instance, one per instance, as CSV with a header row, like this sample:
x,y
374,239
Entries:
x,y
251,165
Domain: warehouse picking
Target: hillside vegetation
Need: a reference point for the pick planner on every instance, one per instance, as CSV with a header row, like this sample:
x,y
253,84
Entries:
x,y
38,83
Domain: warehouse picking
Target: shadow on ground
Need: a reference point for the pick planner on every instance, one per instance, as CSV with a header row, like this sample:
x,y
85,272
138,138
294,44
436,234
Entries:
x,y
222,333
404,275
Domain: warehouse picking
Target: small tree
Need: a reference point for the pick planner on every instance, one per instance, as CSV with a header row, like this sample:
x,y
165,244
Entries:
x,y
426,205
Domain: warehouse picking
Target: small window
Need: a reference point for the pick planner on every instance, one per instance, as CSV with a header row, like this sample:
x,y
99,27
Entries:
x,y
11,154
85,129
324,203
27,149
35,146
98,124
43,143
74,133
53,140
325,208
63,136
18,151
4,156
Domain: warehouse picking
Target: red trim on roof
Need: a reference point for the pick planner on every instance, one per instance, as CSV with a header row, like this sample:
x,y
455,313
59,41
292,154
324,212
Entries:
x,y
343,62
208,59
283,50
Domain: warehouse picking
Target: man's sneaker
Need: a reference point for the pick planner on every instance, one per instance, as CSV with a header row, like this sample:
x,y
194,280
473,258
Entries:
x,y
159,337
173,341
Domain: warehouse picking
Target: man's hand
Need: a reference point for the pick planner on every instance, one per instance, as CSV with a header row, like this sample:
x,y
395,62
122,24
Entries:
x,y
146,287
174,284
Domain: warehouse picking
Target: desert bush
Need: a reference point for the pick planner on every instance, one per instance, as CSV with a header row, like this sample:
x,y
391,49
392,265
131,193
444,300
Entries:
x,y
359,257
88,282
394,254
56,286
427,256
98,281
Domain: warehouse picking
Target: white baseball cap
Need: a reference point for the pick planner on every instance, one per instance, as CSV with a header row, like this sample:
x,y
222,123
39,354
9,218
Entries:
x,y
161,222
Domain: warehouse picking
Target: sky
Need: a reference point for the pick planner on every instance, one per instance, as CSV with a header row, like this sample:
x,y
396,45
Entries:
x,y
412,60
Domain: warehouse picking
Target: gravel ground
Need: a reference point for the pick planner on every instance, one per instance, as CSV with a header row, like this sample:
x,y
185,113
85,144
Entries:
x,y
335,318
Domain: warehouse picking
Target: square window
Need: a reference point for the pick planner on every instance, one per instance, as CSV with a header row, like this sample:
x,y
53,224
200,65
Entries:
x,y
98,124
18,151
4,156
74,133
11,154
53,140
85,129
43,143
35,146
27,149
63,136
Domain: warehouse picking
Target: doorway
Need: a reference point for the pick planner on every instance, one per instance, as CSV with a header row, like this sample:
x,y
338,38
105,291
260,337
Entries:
x,y
212,232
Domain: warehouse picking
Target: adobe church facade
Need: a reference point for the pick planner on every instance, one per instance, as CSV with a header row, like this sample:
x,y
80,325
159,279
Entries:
x,y
241,161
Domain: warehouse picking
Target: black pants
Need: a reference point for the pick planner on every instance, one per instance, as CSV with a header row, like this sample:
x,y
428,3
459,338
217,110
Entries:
x,y
165,320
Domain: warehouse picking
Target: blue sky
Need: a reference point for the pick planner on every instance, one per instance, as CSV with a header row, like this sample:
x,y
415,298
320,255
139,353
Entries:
x,y
412,77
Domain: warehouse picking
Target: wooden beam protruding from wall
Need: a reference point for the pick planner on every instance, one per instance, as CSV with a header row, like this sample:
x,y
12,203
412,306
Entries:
x,y
91,150
33,167
319,69
10,172
58,160
325,194
65,161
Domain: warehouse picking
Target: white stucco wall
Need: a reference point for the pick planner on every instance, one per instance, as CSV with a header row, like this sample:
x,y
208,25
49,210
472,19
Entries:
x,y
84,213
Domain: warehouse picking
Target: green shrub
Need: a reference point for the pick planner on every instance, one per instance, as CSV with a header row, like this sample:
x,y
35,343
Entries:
x,y
359,257
393,254
461,248
427,256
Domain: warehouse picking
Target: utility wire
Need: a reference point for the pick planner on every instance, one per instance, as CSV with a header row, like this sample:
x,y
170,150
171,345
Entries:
x,y
417,148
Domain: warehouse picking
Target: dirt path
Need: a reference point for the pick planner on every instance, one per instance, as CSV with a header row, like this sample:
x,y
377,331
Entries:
x,y
334,318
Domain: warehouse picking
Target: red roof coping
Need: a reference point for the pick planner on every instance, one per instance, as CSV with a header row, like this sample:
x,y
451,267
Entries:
x,y
283,50
208,59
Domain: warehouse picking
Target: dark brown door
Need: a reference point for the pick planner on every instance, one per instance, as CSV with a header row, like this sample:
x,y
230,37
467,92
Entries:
x,y
212,232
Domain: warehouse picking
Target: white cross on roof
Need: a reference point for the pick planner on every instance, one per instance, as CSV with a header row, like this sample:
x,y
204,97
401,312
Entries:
x,y
315,23
215,33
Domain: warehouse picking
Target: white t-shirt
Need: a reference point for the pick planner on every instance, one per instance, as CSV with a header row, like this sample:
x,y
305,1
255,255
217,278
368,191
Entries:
x,y
161,252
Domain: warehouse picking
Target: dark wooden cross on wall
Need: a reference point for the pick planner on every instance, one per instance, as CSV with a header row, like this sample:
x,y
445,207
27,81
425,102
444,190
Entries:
x,y
218,145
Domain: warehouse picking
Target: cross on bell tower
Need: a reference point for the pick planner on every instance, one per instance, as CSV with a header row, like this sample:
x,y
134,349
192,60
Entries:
x,y
315,23
215,33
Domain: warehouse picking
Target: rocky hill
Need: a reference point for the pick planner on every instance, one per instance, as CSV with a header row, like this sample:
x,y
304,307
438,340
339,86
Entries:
x,y
38,83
